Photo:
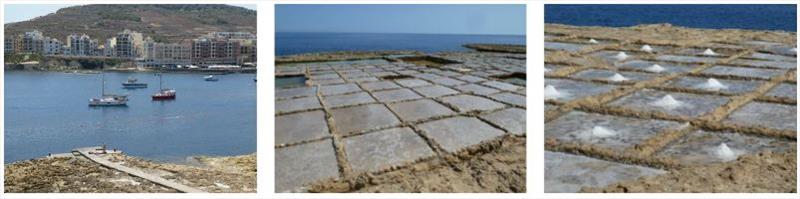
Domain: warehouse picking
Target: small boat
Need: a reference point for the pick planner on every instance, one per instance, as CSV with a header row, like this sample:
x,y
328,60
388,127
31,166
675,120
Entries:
x,y
210,78
108,99
132,83
163,93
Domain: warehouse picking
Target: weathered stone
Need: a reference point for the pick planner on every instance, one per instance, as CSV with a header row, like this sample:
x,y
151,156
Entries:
x,y
467,103
457,133
299,127
412,82
435,91
305,103
348,99
512,120
419,109
395,95
382,85
339,89
383,149
297,166
361,118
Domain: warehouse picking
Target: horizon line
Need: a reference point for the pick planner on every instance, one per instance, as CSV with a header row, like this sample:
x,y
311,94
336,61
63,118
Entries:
x,y
402,33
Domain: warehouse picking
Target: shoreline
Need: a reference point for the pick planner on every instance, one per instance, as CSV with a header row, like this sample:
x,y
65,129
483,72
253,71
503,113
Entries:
x,y
77,174
388,54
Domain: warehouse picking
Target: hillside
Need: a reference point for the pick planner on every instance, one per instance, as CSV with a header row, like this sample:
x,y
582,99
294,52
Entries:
x,y
163,22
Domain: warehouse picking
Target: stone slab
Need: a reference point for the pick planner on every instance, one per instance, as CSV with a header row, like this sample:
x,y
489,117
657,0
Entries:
x,y
396,95
386,148
457,133
305,103
298,127
700,147
361,118
512,120
339,89
297,166
412,111
692,105
579,127
567,173
435,91
775,116
467,103
348,99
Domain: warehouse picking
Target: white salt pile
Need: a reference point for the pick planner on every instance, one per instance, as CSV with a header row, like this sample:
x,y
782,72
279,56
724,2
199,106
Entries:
x,y
647,48
617,78
621,56
724,153
593,41
712,85
655,68
709,52
667,102
602,132
551,92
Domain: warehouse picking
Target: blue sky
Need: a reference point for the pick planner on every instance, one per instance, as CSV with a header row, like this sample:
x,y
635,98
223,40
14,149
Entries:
x,y
22,12
432,19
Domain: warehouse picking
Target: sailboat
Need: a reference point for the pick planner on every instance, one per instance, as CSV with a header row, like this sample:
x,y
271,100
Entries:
x,y
163,93
108,99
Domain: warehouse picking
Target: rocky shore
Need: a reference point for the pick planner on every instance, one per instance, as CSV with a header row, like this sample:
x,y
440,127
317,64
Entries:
x,y
75,174
341,56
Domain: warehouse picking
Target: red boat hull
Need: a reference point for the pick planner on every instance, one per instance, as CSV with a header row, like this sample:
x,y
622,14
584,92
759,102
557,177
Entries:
x,y
166,97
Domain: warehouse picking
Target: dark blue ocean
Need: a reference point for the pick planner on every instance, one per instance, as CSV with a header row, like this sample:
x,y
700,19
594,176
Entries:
x,y
754,17
288,43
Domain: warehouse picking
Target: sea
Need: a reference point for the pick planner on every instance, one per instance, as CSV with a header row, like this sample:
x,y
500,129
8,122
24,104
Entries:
x,y
48,112
289,43
732,16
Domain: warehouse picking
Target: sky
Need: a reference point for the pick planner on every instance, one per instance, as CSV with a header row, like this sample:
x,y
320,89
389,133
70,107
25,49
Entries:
x,y
429,19
23,12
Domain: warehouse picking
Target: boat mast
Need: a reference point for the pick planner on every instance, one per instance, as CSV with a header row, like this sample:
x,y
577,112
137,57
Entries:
x,y
159,82
103,90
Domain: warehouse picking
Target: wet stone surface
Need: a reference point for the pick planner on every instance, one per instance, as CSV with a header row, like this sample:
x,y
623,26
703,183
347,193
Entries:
x,y
785,90
743,72
512,120
612,132
769,115
728,86
571,89
299,127
702,147
305,103
607,75
382,149
412,111
567,173
690,105
435,91
361,118
296,166
396,95
456,133
467,103
645,65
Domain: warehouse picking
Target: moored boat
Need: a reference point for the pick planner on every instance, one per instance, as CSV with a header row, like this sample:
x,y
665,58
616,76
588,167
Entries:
x,y
163,93
210,78
132,83
108,99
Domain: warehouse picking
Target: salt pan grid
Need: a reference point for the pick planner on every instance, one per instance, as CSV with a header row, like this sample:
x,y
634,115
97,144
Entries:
x,y
615,112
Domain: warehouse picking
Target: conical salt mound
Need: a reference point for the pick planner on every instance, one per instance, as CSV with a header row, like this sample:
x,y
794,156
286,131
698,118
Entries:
x,y
617,78
655,68
602,132
621,56
709,52
551,92
547,70
593,41
724,153
713,85
647,48
667,102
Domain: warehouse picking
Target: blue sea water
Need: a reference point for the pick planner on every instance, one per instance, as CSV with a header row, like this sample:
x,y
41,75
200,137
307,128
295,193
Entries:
x,y
754,17
48,112
289,43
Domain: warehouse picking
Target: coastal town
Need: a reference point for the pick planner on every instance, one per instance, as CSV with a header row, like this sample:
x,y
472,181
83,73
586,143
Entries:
x,y
215,50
